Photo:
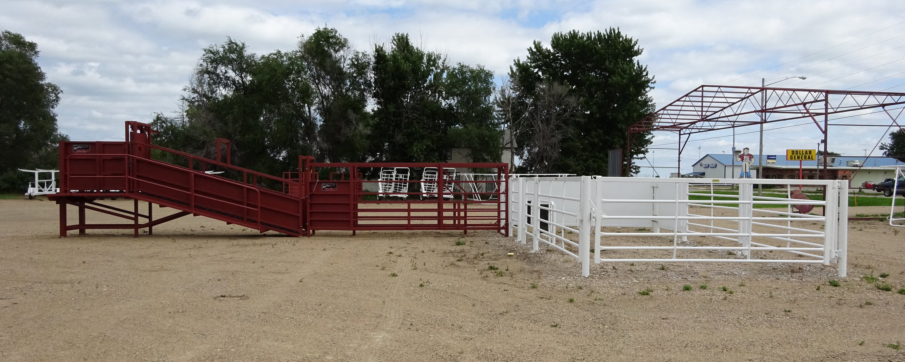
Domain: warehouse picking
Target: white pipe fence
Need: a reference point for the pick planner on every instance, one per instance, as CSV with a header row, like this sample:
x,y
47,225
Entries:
x,y
671,220
897,186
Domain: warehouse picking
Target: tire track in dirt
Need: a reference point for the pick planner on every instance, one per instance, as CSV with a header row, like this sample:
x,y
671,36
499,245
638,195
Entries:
x,y
392,317
270,300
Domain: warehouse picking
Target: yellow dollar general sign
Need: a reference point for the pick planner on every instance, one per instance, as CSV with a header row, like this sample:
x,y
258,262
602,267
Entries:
x,y
801,155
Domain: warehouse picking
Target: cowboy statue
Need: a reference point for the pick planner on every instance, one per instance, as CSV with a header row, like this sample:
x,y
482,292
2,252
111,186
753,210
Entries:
x,y
746,159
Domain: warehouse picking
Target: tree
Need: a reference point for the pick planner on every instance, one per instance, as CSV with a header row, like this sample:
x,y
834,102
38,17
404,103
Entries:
x,y
259,103
28,124
410,124
425,107
468,95
547,121
340,78
601,70
831,153
896,147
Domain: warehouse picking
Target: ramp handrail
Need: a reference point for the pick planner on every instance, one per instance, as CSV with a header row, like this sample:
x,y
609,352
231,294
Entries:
x,y
245,172
126,175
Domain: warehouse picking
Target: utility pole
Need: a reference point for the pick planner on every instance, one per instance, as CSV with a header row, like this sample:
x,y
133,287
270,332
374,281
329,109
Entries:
x,y
760,151
763,119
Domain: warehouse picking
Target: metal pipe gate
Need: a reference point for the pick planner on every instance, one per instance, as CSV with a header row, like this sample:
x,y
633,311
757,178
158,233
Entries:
x,y
346,196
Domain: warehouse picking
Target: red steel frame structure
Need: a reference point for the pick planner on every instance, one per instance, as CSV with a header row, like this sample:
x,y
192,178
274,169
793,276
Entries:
x,y
297,204
718,107
340,202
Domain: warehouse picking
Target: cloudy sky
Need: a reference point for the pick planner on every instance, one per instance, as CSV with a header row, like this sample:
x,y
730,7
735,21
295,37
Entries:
x,y
126,60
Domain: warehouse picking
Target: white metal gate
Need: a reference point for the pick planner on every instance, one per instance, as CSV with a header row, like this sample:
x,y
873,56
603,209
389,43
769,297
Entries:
x,y
681,220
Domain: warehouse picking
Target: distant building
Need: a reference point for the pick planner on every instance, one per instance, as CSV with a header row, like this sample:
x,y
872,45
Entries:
x,y
838,168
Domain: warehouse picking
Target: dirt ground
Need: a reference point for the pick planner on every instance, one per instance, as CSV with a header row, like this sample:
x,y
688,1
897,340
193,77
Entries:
x,y
200,290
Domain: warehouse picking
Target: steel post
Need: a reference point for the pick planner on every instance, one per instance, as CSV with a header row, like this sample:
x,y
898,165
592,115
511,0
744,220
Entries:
x,y
584,225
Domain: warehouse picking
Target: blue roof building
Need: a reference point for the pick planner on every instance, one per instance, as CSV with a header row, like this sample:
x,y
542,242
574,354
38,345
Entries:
x,y
839,167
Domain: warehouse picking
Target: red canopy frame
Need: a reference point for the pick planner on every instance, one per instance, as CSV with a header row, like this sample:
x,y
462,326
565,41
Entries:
x,y
717,107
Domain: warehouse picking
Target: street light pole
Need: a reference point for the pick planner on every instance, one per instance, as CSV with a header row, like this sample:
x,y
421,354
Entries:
x,y
760,153
763,119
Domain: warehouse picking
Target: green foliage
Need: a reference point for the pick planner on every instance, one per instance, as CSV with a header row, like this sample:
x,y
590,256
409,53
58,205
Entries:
x,y
834,283
646,292
601,71
686,287
896,147
884,287
425,107
870,278
341,82
259,103
28,124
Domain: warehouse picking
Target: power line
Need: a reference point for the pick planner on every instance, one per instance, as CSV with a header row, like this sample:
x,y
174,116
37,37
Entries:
x,y
817,52
852,62
874,81
860,71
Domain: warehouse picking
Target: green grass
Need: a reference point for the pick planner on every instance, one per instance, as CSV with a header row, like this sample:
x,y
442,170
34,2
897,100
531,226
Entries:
x,y
646,292
862,201
834,283
884,287
703,286
884,275
10,196
686,287
895,346
901,291
870,278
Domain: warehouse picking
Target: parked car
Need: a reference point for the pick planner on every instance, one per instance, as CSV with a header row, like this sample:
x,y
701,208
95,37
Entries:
x,y
886,186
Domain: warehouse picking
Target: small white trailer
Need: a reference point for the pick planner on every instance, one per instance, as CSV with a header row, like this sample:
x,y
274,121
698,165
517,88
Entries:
x,y
42,186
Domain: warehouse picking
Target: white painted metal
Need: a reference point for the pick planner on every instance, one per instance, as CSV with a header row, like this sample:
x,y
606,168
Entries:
x,y
385,182
42,186
400,183
756,235
893,220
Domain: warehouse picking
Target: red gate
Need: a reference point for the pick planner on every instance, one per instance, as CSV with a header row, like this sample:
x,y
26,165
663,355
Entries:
x,y
357,196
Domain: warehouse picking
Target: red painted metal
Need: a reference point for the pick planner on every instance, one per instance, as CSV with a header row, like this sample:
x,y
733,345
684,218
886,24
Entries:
x,y
92,171
340,201
718,107
297,204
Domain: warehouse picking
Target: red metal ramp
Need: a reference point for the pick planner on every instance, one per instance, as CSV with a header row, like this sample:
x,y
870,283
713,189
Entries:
x,y
92,171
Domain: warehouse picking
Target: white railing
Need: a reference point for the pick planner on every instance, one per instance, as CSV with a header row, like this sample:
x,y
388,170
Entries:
x,y
560,210
896,188
675,223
